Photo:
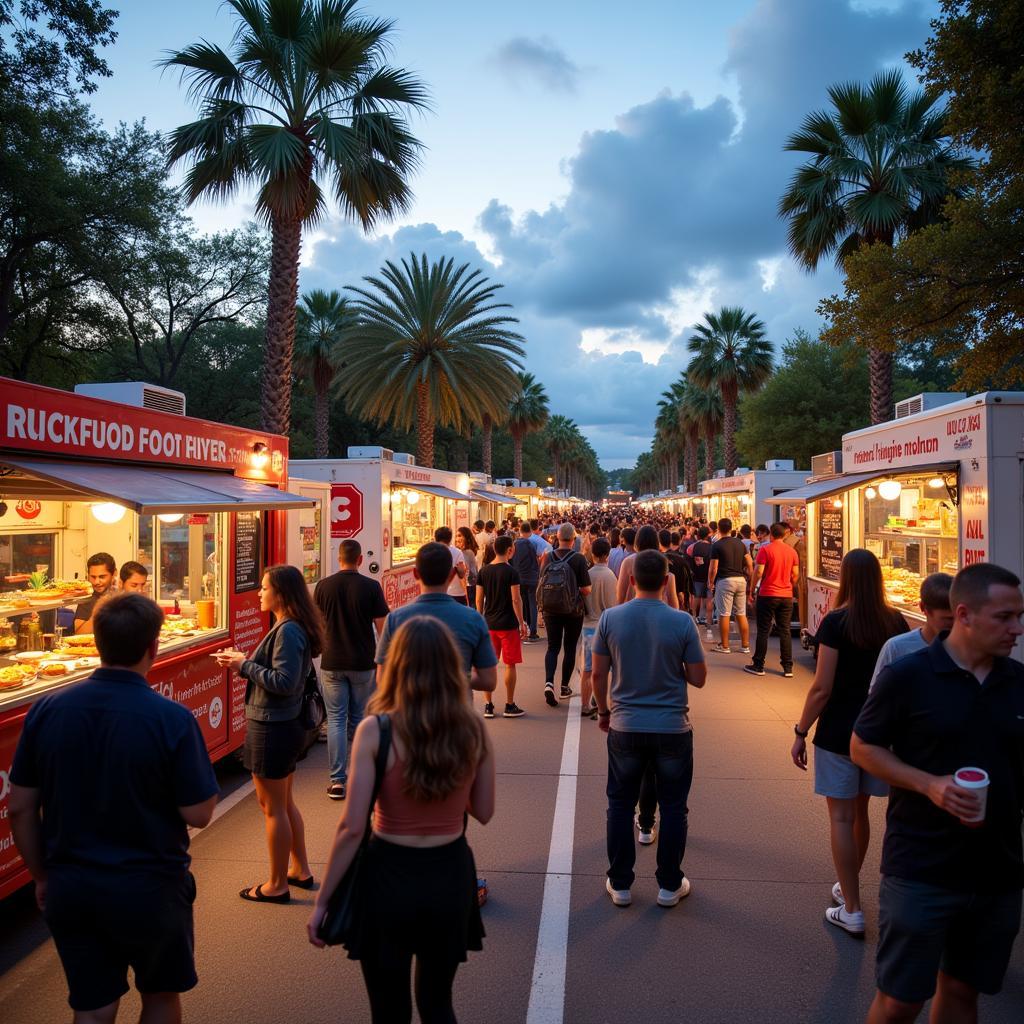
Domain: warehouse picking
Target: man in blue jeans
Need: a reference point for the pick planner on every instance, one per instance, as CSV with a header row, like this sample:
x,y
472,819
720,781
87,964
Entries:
x,y
655,652
352,605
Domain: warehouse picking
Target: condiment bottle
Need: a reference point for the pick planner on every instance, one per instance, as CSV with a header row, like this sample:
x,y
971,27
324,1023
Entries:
x,y
30,633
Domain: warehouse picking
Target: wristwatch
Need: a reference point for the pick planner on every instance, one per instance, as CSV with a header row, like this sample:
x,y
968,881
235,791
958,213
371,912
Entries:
x,y
802,735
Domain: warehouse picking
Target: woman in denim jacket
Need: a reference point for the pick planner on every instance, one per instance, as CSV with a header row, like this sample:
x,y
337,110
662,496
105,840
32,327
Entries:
x,y
275,737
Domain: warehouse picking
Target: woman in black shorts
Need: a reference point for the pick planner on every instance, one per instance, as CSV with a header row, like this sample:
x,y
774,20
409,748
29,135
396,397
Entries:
x,y
275,737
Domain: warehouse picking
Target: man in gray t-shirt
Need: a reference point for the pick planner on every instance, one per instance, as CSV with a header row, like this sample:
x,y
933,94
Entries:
x,y
655,652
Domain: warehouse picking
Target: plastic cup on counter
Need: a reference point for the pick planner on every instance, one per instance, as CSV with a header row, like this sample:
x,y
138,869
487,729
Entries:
x,y
206,613
976,780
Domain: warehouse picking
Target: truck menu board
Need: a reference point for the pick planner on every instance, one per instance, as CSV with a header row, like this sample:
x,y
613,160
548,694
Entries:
x,y
247,551
830,540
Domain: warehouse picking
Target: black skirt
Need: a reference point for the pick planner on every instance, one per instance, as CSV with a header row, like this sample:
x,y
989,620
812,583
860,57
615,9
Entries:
x,y
418,900
272,749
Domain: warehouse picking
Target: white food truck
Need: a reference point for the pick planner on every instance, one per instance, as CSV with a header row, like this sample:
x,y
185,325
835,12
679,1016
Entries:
x,y
743,497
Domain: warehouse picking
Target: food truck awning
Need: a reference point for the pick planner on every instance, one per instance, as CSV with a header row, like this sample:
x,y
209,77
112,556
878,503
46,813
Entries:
x,y
501,499
440,492
143,490
838,484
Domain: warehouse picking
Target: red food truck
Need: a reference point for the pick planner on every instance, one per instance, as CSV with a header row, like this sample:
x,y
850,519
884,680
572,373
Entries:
x,y
199,504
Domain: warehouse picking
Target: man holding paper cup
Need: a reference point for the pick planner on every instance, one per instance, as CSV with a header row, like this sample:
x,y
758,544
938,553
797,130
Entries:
x,y
945,728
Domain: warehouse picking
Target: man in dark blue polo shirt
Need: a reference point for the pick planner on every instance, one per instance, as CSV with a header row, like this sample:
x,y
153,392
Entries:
x,y
107,777
950,900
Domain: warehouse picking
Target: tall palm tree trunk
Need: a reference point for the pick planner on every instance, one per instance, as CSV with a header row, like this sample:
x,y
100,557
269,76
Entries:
x,y
283,292
691,461
517,455
880,370
709,454
424,427
322,411
488,430
729,432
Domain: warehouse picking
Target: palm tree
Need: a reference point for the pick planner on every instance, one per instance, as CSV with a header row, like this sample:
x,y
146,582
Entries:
x,y
690,425
527,413
880,168
668,426
705,406
431,347
322,318
559,438
303,106
731,354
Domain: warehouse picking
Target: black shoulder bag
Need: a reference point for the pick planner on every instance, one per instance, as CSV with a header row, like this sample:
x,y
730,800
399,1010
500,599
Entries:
x,y
341,922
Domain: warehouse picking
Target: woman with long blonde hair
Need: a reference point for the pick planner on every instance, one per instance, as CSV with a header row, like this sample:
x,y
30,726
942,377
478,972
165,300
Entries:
x,y
418,878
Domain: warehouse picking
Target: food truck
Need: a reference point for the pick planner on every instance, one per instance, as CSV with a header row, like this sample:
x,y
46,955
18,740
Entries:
x,y
491,502
527,496
390,505
928,492
743,497
200,505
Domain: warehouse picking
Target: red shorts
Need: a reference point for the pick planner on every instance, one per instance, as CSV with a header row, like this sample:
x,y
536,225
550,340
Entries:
x,y
507,645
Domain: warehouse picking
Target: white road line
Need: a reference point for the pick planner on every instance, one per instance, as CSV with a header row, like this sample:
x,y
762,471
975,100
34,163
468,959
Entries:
x,y
547,991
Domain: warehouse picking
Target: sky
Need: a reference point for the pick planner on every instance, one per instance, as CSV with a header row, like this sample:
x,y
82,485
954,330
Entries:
x,y
615,168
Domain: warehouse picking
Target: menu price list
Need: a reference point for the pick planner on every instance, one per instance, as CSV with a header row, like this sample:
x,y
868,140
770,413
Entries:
x,y
247,551
830,540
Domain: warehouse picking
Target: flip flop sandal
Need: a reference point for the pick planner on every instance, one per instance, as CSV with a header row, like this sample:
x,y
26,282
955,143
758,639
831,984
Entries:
x,y
302,883
256,895
481,891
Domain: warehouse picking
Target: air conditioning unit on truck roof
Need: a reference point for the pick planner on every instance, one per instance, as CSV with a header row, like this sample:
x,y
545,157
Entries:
x,y
926,401
137,393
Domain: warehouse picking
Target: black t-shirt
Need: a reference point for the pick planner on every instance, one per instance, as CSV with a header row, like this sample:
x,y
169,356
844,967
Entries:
x,y
854,668
497,580
114,761
935,716
350,602
84,609
730,553
680,570
701,555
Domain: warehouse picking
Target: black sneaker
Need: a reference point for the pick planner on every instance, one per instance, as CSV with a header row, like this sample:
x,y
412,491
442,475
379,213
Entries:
x,y
513,711
753,670
488,710
336,790
787,673
549,695
566,692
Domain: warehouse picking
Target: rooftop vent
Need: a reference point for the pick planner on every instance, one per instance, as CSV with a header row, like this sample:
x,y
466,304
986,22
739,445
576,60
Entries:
x,y
827,464
371,451
780,465
405,459
929,400
138,393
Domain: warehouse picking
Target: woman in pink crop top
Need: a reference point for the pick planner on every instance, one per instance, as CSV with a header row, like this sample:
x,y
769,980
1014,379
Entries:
x,y
419,878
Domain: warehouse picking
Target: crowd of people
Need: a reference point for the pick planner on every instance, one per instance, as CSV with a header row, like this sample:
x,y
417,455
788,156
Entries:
x,y
630,600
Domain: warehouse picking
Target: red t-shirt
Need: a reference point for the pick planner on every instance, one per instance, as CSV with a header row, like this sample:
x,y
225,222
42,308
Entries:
x,y
779,560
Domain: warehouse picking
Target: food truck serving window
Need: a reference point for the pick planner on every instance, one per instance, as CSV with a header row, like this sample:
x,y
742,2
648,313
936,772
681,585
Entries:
x,y
912,524
414,517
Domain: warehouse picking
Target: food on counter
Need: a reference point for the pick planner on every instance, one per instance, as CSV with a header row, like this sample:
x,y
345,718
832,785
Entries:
x,y
13,676
80,640
53,669
178,624
28,656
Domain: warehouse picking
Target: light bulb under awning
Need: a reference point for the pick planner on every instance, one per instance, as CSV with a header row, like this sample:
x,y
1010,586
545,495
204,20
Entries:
x,y
108,512
890,490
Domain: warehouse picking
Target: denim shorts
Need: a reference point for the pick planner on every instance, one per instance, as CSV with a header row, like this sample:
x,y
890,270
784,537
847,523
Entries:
x,y
588,647
731,596
924,928
700,590
838,777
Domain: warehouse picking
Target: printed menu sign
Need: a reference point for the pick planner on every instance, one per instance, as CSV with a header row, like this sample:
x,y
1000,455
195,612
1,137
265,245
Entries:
x,y
247,551
830,540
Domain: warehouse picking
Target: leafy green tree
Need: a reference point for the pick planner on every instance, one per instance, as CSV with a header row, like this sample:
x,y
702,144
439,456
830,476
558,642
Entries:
x,y
527,413
881,166
429,346
958,284
730,355
323,319
303,107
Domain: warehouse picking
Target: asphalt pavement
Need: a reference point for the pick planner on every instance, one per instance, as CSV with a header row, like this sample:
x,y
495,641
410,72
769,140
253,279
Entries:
x,y
748,945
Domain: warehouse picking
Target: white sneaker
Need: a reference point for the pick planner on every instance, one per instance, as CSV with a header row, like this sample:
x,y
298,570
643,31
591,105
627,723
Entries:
x,y
852,923
620,897
744,650
710,635
645,838
668,898
837,895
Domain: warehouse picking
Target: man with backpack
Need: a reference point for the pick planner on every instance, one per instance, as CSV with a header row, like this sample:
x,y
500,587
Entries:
x,y
564,583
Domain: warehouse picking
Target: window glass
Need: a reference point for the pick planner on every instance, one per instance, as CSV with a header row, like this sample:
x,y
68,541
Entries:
x,y
414,517
22,553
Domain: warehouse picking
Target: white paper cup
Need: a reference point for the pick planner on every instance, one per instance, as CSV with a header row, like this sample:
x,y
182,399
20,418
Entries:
x,y
976,780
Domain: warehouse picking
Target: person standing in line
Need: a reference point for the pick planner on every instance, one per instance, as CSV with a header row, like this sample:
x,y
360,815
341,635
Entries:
x,y
601,596
498,599
107,778
678,567
796,540
952,863
729,578
457,586
778,569
700,552
419,875
472,555
938,618
654,652
526,556
353,606
275,738
623,551
646,540
564,584
849,640
434,572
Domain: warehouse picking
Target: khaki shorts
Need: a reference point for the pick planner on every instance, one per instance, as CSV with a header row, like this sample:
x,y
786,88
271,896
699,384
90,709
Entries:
x,y
731,596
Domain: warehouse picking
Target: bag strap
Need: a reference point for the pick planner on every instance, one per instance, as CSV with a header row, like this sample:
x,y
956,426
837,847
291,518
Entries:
x,y
379,768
